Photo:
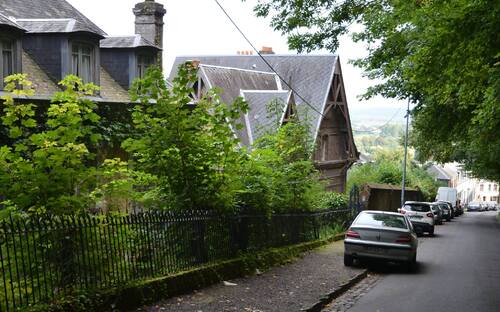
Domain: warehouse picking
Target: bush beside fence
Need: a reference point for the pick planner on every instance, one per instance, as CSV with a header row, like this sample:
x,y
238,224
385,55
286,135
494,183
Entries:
x,y
43,258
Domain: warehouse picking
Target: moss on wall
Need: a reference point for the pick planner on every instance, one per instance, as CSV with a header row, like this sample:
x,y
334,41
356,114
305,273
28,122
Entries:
x,y
148,291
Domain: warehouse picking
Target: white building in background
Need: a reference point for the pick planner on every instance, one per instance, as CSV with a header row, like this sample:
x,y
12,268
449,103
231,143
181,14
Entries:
x,y
469,188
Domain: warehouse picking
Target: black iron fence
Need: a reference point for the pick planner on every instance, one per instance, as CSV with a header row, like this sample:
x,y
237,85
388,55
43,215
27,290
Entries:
x,y
43,257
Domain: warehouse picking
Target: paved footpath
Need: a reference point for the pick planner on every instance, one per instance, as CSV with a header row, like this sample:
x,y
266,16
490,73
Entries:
x,y
291,287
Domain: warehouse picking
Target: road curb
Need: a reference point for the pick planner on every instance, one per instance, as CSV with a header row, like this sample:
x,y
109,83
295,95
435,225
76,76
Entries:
x,y
325,300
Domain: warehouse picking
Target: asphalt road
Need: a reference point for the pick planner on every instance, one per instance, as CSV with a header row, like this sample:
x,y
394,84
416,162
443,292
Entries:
x,y
458,270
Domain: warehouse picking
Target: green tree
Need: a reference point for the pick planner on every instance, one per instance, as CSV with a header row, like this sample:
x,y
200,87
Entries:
x,y
387,169
442,55
49,166
190,147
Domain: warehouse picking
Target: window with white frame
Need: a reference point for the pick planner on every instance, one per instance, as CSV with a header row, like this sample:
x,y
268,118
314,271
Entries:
x,y
7,55
82,61
143,63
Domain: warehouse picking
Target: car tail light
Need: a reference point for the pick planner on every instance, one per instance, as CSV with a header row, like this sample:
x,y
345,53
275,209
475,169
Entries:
x,y
403,239
352,234
430,215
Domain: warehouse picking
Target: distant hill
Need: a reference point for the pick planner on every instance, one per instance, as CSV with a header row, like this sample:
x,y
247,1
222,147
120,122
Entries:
x,y
371,137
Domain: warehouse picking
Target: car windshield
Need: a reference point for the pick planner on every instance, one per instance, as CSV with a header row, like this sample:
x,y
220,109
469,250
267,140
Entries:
x,y
417,207
382,220
445,207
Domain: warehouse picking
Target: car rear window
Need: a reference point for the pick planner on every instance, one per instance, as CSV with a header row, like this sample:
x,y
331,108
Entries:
x,y
417,207
380,219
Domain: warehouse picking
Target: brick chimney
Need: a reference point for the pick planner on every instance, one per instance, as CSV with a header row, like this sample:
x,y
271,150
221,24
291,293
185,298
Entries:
x,y
266,50
149,21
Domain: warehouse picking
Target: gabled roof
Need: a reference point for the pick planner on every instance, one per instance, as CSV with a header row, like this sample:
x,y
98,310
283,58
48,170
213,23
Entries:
x,y
438,172
52,25
48,10
4,20
136,41
309,75
259,120
232,81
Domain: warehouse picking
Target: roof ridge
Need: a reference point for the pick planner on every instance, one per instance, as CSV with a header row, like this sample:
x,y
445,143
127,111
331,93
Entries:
x,y
263,55
265,91
68,19
237,69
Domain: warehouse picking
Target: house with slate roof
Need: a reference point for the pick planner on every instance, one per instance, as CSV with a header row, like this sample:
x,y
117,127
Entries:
x,y
50,39
316,81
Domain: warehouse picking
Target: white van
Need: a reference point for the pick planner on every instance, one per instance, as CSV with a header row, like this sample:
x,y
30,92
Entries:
x,y
447,194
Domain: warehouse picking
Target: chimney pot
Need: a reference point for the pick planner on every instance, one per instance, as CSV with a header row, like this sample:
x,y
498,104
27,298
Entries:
x,y
149,22
266,50
194,63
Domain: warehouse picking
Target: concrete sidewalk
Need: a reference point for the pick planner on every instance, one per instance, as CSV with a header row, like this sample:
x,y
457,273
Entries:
x,y
293,287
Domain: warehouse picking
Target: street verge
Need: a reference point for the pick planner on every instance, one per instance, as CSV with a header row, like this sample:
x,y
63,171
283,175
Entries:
x,y
328,298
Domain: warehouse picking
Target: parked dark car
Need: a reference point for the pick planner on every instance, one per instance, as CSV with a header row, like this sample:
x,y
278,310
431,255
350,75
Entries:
x,y
438,213
453,210
446,210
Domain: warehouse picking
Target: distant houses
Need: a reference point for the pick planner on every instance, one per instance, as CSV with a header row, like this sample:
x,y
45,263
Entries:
x,y
469,188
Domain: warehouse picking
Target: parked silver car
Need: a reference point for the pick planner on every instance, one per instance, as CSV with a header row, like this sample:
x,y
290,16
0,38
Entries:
x,y
381,235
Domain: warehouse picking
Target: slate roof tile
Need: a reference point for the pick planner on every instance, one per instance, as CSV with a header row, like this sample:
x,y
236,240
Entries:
x,y
309,75
232,80
48,9
4,20
126,42
259,118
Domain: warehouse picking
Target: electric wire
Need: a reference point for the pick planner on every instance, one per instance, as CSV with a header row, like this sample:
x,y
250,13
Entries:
x,y
265,61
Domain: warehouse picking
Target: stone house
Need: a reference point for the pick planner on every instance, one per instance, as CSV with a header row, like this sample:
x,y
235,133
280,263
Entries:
x,y
317,85
50,39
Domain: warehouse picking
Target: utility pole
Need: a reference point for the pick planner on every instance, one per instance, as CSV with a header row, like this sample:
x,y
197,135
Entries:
x,y
406,152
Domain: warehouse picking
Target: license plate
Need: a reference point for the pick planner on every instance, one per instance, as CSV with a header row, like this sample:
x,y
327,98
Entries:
x,y
376,250
415,217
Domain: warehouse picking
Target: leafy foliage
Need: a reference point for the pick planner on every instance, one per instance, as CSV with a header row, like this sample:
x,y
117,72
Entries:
x,y
443,55
49,167
387,169
184,155
191,149
369,143
279,175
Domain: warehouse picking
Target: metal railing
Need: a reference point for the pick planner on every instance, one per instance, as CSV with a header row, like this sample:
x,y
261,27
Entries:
x,y
46,257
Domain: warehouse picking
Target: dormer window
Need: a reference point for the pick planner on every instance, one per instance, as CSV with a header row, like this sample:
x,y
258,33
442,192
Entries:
x,y
7,59
143,63
83,61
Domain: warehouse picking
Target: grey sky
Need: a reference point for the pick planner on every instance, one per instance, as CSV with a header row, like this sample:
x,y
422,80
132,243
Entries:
x,y
194,27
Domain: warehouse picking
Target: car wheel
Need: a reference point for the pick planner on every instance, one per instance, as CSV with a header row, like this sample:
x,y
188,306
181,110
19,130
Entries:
x,y
431,231
348,260
448,219
411,265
